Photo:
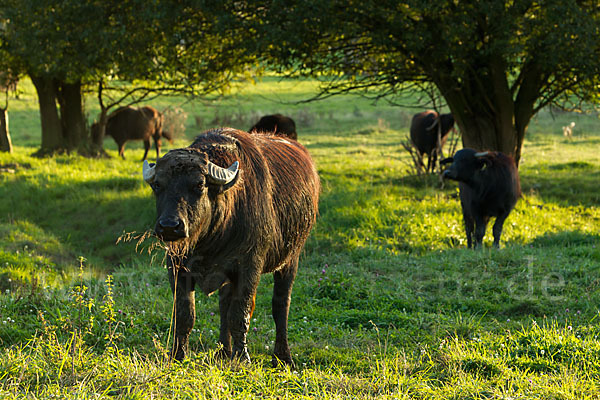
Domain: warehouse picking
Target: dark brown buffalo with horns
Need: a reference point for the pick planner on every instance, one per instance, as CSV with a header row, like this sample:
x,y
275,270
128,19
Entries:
x,y
277,124
233,206
129,123
488,187
424,134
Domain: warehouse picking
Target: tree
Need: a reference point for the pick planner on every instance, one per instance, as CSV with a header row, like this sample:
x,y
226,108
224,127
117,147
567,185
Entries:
x,y
128,49
495,62
8,82
197,53
51,41
5,142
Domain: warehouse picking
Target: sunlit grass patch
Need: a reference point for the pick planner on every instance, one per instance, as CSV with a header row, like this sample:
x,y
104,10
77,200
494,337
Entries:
x,y
388,302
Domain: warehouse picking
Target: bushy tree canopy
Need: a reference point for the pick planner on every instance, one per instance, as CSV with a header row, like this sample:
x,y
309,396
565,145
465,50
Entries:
x,y
495,62
145,47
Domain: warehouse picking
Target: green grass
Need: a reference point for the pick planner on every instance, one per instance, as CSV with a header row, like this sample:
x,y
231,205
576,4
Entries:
x,y
388,303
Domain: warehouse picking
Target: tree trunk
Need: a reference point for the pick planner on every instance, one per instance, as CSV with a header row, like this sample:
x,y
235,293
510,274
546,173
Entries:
x,y
497,129
98,131
481,133
5,143
52,138
484,110
72,116
98,128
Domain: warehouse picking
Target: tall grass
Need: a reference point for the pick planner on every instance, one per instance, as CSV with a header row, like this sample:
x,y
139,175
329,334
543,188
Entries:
x,y
388,303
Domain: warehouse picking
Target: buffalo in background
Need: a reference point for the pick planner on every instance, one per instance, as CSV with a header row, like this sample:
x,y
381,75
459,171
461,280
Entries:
x,y
489,187
231,207
424,129
277,124
129,123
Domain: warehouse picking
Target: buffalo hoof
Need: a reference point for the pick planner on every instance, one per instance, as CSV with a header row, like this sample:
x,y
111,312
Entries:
x,y
179,349
241,355
282,361
223,354
177,354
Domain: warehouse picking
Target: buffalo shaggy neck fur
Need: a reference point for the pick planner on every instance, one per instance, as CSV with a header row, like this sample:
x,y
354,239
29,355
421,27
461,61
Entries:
x,y
224,236
489,187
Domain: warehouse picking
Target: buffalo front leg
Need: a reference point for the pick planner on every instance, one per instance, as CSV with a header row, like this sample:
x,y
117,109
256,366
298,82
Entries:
x,y
469,228
480,226
497,229
225,335
282,292
184,312
240,311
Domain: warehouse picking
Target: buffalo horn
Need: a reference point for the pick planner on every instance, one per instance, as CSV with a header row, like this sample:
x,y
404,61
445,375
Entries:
x,y
482,154
435,122
220,175
149,171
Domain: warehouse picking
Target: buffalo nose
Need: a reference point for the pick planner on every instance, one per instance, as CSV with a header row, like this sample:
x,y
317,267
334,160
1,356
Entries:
x,y
171,229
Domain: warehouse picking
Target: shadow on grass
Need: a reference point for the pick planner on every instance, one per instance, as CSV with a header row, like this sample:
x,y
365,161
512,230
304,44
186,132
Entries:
x,y
567,239
86,218
570,183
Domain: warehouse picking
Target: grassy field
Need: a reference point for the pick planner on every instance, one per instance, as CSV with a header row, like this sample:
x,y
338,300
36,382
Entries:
x,y
388,302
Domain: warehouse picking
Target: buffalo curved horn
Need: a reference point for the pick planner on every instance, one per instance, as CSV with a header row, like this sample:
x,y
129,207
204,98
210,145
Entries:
x,y
149,171
435,122
220,175
482,154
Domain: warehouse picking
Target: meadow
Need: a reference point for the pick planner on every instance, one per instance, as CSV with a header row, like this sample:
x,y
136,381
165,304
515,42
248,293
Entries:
x,y
388,302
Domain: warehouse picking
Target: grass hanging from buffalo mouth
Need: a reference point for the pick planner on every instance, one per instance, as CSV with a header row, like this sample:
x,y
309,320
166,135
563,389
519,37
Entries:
x,y
147,241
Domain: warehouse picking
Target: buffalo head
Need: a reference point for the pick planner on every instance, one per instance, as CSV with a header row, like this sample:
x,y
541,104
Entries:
x,y
181,181
464,165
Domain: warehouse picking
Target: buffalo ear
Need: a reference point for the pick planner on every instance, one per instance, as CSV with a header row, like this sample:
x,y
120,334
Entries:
x,y
448,160
484,162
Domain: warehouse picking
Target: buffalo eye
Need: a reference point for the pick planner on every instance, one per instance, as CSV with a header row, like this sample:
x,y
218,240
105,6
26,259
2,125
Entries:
x,y
200,185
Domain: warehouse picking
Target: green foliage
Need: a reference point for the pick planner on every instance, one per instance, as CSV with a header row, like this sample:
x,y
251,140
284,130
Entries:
x,y
388,303
494,63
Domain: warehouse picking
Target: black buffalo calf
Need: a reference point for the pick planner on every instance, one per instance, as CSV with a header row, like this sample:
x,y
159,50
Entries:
x,y
489,187
277,124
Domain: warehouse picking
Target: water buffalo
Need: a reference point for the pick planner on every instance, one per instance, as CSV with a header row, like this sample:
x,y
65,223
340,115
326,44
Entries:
x,y
489,187
128,123
277,124
230,207
424,134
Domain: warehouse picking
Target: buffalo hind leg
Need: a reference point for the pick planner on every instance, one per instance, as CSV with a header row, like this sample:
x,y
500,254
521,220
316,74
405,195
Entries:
x,y
184,315
146,149
122,150
282,291
240,311
497,229
432,161
225,335
157,144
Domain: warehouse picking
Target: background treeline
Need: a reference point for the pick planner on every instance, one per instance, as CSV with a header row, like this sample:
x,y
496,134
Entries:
x,y
494,63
